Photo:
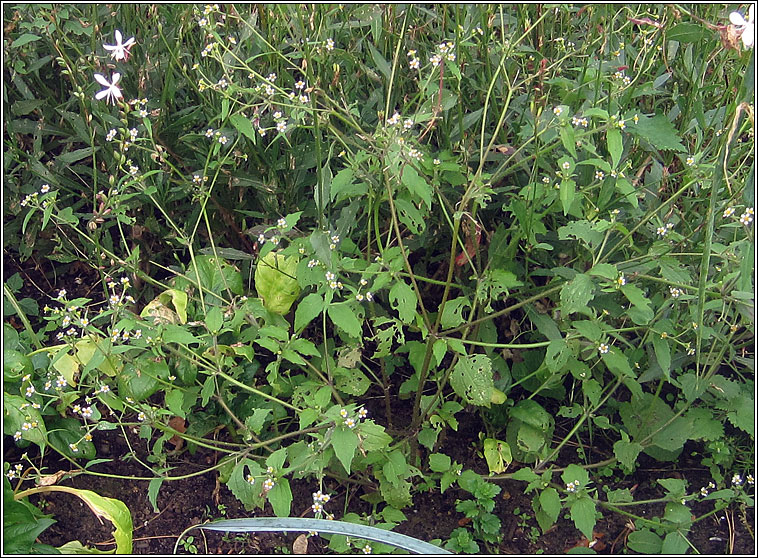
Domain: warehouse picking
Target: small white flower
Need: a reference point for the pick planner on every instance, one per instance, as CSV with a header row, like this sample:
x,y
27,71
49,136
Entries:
x,y
746,218
120,51
87,412
222,140
599,175
30,391
414,64
435,60
271,77
268,484
312,264
111,92
250,479
17,437
330,44
281,223
557,111
736,479
728,212
408,123
141,416
565,165
690,161
603,348
662,231
317,507
366,549
281,126
369,296
362,413
299,84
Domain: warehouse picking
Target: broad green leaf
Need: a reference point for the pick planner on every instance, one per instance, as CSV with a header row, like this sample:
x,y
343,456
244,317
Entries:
x,y
452,314
214,320
472,379
687,33
24,39
410,216
557,354
373,437
439,462
581,230
351,381
244,126
68,367
645,542
17,414
659,132
617,362
550,502
176,334
345,442
626,452
280,497
111,509
239,483
403,300
343,316
276,283
577,293
583,515
417,185
256,420
497,454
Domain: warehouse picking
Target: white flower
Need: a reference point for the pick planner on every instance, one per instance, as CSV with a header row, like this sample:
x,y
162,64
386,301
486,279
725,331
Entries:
x,y
736,479
603,348
111,135
120,51
111,91
728,212
746,26
281,126
414,63
329,44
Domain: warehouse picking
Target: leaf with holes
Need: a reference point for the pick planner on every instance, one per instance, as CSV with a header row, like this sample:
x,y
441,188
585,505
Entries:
x,y
403,300
472,379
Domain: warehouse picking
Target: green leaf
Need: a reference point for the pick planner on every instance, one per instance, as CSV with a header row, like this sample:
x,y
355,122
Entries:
x,y
617,362
439,462
244,126
24,39
381,63
659,132
626,452
687,33
256,420
577,293
574,473
497,454
662,354
345,442
174,401
417,185
452,313
567,193
636,296
581,230
351,381
550,502
557,354
373,437
645,541
472,379
583,515
280,497
17,412
403,300
152,492
615,145
214,320
276,283
410,216
114,511
343,316
307,309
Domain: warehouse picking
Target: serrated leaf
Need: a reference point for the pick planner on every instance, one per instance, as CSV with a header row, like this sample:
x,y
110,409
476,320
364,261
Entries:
x,y
627,452
550,502
659,132
343,316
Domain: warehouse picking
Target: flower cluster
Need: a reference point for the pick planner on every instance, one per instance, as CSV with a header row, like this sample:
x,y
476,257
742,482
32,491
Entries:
x,y
351,422
34,197
15,472
572,486
319,499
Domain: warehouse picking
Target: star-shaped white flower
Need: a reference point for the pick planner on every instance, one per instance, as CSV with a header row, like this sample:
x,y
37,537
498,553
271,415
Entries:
x,y
111,92
747,26
120,51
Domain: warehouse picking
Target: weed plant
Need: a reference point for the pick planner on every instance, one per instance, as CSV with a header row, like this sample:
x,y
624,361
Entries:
x,y
315,238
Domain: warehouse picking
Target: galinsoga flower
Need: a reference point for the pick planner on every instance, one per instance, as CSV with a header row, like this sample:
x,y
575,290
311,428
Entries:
x,y
746,27
603,348
120,51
